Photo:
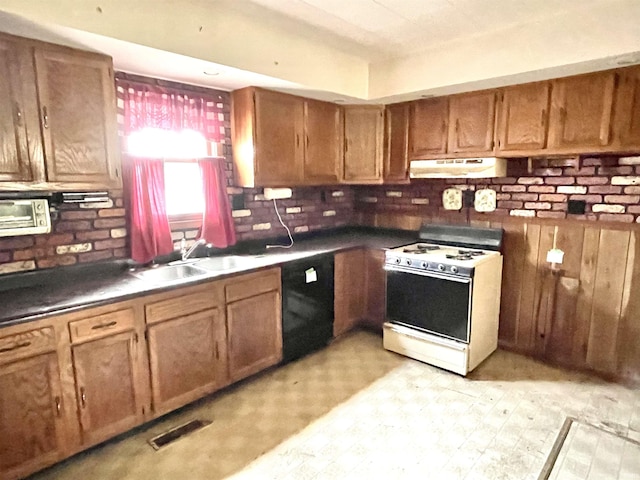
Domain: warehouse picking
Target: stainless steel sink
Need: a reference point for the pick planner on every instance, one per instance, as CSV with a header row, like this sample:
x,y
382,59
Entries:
x,y
170,273
228,262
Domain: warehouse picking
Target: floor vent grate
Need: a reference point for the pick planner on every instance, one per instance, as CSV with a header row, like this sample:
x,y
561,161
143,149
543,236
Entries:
x,y
175,433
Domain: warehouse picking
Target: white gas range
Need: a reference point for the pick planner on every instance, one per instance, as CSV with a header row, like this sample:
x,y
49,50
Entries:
x,y
443,296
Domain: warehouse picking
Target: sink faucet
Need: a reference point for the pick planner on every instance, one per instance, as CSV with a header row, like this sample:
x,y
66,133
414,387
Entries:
x,y
187,253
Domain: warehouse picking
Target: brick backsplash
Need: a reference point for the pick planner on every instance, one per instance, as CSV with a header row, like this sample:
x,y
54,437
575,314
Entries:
x,y
80,233
609,186
309,209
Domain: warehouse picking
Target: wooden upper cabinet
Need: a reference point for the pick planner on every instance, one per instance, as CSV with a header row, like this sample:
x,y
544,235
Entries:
x,y
471,122
108,386
523,117
627,110
396,160
324,136
57,118
278,146
363,143
581,112
281,140
428,127
77,116
14,152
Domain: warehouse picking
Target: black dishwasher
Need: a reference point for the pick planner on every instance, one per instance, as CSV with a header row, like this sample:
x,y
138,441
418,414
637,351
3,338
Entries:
x,y
307,305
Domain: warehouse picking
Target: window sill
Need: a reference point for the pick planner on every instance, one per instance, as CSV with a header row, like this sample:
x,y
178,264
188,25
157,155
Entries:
x,y
189,221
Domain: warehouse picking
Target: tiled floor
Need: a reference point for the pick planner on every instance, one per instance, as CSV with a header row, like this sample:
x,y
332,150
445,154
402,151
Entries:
x,y
589,453
357,411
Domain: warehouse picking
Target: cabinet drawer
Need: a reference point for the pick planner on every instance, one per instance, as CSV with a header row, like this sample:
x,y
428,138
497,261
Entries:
x,y
27,344
181,305
102,325
252,284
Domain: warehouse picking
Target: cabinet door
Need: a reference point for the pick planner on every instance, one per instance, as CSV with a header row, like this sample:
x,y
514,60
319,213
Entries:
x,y
14,154
376,279
363,135
278,139
187,357
523,117
396,166
471,122
349,290
77,116
108,386
627,126
255,334
31,424
428,127
324,138
581,110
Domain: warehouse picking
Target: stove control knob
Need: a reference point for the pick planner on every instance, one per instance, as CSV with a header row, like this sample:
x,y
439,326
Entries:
x,y
424,265
441,267
397,261
454,269
407,262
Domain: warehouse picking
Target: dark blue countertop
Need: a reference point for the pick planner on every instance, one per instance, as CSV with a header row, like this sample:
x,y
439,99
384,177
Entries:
x,y
32,296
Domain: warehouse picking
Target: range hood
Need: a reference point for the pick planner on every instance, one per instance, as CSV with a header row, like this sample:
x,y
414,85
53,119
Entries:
x,y
459,168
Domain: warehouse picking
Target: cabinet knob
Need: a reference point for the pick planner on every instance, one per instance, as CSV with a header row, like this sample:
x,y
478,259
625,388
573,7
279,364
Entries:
x,y
45,117
83,397
18,115
543,117
58,406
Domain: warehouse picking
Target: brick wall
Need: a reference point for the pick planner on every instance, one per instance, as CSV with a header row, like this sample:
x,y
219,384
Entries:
x,y
610,188
80,233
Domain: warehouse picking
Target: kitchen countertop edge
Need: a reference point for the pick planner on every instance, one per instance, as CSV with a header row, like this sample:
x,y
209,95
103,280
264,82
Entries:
x,y
19,306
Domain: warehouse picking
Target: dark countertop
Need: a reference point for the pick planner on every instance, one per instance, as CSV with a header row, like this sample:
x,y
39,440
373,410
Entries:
x,y
36,295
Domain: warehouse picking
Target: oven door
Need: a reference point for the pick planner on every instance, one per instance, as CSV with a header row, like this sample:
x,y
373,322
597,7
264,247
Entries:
x,y
431,302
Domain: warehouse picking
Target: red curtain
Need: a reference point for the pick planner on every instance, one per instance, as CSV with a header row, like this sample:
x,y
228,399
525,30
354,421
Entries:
x,y
150,233
146,106
217,222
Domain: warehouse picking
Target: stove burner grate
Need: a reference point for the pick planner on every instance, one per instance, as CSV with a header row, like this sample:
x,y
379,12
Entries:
x,y
460,257
420,248
471,253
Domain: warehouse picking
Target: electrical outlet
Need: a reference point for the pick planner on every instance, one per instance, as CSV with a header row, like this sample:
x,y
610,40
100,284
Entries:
x,y
277,193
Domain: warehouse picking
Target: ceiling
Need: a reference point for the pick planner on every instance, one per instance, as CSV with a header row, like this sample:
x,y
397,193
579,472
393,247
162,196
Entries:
x,y
383,29
343,50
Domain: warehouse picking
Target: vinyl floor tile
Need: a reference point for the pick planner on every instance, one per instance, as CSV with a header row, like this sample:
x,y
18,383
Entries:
x,y
356,411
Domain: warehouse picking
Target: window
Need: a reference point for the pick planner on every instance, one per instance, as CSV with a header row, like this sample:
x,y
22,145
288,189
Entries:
x,y
183,180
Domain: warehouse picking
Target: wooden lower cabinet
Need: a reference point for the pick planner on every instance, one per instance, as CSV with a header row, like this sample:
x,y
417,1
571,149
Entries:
x,y
349,292
187,357
108,386
74,380
31,417
376,289
255,338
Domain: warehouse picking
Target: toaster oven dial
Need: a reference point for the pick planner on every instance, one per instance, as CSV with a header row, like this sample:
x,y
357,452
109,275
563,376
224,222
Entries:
x,y
441,267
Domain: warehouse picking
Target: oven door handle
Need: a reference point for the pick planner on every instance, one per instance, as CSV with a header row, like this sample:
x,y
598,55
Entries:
x,y
427,274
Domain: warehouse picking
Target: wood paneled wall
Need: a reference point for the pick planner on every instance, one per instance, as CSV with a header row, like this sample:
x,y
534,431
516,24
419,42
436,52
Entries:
x,y
585,314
